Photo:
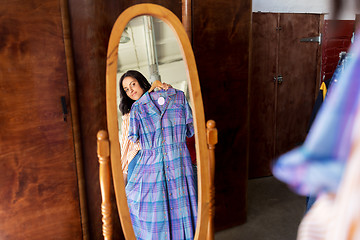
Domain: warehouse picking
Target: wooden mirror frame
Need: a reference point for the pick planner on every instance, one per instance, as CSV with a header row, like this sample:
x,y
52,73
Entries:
x,y
205,138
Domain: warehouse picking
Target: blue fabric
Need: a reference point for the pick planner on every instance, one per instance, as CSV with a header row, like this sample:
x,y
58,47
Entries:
x,y
132,165
161,191
310,200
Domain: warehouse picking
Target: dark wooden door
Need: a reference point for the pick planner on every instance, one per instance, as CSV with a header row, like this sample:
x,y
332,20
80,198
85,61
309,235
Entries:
x,y
221,36
284,80
300,71
38,182
262,92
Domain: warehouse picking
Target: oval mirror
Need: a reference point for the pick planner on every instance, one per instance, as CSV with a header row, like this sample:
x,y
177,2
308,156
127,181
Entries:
x,y
151,39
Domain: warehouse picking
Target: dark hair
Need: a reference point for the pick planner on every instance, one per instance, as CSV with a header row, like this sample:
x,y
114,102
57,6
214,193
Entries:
x,y
125,101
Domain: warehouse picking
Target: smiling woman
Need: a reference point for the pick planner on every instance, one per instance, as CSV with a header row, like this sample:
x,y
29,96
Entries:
x,y
174,109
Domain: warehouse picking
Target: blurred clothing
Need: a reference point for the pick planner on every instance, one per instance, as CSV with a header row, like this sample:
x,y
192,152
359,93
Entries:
x,y
317,166
328,163
337,216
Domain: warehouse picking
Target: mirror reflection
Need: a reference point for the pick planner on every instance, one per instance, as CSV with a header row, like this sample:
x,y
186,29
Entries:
x,y
156,132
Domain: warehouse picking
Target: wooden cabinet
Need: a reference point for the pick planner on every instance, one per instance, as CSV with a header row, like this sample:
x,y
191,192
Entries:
x,y
38,182
285,76
221,36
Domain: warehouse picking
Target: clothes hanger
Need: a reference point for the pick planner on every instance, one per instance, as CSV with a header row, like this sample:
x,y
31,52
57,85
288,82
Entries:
x,y
154,85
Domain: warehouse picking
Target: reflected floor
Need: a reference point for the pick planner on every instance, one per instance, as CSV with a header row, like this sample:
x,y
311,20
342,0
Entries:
x,y
274,213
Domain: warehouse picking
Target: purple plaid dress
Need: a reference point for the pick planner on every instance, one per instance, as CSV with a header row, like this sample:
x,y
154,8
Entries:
x,y
161,191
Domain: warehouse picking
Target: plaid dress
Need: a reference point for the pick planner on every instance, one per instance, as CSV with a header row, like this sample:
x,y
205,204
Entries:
x,y
161,191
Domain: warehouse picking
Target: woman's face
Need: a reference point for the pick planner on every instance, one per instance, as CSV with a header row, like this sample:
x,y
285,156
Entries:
x,y
132,88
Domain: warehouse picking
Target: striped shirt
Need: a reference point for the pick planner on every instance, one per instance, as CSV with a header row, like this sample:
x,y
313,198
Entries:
x,y
128,148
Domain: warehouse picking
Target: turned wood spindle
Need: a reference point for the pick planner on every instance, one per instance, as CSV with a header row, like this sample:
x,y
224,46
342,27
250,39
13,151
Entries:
x,y
103,151
212,139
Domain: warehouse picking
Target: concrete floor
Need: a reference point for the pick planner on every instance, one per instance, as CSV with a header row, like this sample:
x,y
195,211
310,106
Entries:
x,y
274,213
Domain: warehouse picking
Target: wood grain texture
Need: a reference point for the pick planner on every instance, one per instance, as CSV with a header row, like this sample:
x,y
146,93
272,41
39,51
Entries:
x,y
279,113
298,64
91,24
75,116
103,152
262,93
38,182
212,140
221,31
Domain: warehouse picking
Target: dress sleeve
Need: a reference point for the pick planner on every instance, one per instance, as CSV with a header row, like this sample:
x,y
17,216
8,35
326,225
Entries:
x,y
128,148
189,120
134,124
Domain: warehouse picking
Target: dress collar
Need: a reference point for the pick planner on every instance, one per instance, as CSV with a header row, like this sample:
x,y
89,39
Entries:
x,y
145,98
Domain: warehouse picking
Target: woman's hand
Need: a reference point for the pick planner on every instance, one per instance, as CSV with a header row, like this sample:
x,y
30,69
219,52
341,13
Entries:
x,y
165,86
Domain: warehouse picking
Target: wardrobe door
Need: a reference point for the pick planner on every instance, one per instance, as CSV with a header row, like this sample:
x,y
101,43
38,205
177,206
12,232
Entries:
x,y
262,93
221,37
38,181
299,68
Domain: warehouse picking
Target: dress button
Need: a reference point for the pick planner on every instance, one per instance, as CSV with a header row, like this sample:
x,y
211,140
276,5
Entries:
x,y
170,194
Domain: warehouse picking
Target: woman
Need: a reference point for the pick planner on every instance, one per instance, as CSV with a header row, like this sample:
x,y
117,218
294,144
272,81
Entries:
x,y
132,86
161,189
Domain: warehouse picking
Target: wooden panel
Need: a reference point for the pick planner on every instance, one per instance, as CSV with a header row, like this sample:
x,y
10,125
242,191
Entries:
x,y
336,38
221,46
262,93
91,24
279,113
298,63
38,188
174,6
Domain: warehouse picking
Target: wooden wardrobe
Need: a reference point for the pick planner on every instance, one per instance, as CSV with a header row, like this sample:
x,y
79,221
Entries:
x,y
285,78
39,162
52,94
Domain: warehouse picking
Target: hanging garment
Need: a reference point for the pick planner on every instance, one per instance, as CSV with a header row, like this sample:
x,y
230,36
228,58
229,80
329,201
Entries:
x,y
317,167
343,60
337,216
319,100
161,191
